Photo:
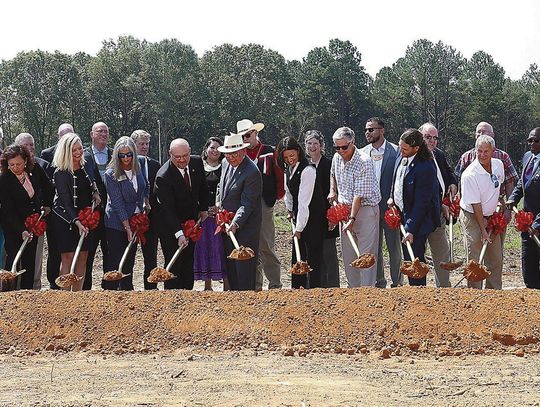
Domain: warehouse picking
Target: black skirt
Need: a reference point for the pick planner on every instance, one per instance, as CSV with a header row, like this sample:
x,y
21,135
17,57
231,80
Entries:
x,y
66,235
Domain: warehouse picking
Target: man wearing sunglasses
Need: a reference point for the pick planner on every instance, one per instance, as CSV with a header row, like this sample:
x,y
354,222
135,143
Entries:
x,y
481,186
383,154
528,188
98,155
353,182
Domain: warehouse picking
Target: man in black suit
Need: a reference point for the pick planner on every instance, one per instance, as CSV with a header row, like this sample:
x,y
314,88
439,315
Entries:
x,y
150,169
48,153
181,194
99,155
438,239
528,187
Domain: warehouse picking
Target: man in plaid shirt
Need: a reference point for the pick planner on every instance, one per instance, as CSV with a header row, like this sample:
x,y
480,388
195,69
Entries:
x,y
353,182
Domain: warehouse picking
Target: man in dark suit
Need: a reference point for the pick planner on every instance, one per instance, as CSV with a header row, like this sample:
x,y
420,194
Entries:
x,y
181,194
528,187
240,192
150,169
438,239
416,194
383,154
99,155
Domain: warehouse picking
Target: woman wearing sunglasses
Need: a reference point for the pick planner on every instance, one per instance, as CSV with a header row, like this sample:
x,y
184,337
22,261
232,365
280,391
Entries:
x,y
128,191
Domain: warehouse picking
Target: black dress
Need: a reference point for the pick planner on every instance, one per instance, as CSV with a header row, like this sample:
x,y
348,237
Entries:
x,y
67,205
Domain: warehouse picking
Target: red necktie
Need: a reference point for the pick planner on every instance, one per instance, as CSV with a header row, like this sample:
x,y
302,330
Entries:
x,y
186,178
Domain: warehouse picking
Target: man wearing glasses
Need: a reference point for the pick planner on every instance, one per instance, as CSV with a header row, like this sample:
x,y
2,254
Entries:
x,y
528,187
481,184
263,156
353,182
383,154
438,241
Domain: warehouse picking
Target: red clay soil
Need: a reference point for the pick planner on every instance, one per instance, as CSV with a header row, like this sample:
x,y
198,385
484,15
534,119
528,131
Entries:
x,y
404,321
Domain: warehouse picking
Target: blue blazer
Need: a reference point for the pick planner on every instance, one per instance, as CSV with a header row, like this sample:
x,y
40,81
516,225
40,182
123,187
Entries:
x,y
421,202
529,190
122,200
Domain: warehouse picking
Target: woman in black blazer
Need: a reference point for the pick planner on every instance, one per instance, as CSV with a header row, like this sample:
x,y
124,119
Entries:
x,y
24,190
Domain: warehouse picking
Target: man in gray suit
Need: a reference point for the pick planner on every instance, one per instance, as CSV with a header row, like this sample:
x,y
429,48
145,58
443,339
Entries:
x,y
240,191
383,154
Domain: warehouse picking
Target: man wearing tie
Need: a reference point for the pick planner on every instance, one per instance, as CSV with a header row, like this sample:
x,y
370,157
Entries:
x,y
181,194
150,167
438,240
528,187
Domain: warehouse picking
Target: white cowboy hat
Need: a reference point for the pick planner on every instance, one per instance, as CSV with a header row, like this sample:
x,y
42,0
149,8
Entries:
x,y
245,125
232,143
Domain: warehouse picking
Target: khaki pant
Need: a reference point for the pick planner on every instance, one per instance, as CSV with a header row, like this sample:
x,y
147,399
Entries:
x,y
493,259
440,252
366,233
268,261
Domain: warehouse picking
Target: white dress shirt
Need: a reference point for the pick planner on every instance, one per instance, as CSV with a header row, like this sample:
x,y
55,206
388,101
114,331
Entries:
x,y
305,193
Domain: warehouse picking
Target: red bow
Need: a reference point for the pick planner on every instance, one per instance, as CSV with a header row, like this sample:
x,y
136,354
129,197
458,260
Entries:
x,y
496,223
223,216
192,230
139,224
392,218
523,220
89,218
35,225
338,213
453,206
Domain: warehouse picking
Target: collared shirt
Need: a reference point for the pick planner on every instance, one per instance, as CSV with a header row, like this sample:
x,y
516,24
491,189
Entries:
x,y
400,176
480,187
101,157
510,173
377,155
356,177
305,193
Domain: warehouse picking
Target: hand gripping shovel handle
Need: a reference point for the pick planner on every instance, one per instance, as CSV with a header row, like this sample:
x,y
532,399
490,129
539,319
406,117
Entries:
x,y
23,246
178,251
534,237
407,243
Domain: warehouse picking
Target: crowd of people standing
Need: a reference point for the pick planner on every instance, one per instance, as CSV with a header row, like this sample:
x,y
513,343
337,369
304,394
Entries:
x,y
242,175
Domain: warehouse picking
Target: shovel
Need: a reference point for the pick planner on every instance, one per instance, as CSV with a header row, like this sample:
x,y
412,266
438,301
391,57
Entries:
x,y
239,252
160,274
118,275
451,266
300,267
67,280
415,268
475,271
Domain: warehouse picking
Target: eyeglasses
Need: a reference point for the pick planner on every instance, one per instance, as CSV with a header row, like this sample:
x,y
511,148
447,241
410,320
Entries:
x,y
533,140
337,148
495,180
124,155
248,134
428,137
371,129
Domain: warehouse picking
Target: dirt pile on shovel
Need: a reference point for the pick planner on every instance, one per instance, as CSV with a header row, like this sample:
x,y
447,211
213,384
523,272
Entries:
x,y
391,322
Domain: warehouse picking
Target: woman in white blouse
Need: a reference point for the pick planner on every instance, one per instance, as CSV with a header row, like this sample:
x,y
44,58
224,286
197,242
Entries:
x,y
306,205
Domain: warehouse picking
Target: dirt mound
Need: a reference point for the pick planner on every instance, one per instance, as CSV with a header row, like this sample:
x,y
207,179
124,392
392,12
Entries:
x,y
391,322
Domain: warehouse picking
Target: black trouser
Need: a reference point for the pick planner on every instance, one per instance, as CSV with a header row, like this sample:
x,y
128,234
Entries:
x,y
241,273
28,258
116,244
311,251
530,261
98,236
183,266
419,250
54,259
149,250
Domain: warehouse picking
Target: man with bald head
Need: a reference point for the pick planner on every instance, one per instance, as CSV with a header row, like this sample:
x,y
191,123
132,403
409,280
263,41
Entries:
x,y
181,194
48,153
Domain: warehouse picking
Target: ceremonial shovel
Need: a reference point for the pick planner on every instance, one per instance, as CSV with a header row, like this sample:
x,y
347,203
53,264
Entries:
x,y
414,268
300,267
118,275
450,266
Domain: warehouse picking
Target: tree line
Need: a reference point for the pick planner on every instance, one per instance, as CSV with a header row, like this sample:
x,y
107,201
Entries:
x,y
164,87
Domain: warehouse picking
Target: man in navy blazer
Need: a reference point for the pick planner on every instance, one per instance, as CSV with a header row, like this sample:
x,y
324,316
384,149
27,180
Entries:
x,y
383,153
416,194
181,194
528,188
240,191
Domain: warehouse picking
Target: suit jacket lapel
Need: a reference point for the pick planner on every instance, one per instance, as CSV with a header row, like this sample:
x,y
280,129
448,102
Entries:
x,y
534,172
386,156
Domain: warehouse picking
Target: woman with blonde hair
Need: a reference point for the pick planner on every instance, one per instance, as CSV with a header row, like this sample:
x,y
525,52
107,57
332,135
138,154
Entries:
x,y
127,195
75,190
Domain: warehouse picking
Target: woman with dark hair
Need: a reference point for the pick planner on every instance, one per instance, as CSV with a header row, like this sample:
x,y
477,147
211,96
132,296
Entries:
x,y
209,256
75,190
315,149
416,194
306,205
127,195
24,190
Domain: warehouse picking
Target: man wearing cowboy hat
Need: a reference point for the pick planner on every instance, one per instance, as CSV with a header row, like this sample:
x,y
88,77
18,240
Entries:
x,y
239,191
272,189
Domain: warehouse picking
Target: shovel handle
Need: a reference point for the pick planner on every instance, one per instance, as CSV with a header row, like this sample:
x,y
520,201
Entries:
x,y
19,253
451,237
296,245
76,255
174,257
353,243
483,252
126,251
232,236
407,243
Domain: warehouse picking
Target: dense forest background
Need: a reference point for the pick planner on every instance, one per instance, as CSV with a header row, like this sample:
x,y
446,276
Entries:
x,y
165,87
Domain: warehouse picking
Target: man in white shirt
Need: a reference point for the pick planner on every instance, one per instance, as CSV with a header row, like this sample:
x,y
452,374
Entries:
x,y
480,191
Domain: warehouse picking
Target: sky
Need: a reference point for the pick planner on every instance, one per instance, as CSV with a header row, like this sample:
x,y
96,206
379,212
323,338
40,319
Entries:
x,y
381,30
